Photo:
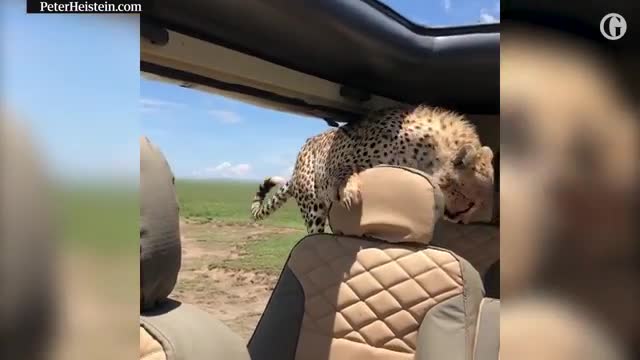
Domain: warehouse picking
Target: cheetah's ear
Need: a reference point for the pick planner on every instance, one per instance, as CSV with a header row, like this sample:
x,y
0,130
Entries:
x,y
465,156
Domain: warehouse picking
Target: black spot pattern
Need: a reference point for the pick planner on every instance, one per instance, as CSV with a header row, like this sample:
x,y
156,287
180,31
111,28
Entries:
x,y
419,137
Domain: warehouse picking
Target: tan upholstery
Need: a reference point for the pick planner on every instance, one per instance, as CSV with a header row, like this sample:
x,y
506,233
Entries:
x,y
150,348
397,205
366,299
374,289
187,332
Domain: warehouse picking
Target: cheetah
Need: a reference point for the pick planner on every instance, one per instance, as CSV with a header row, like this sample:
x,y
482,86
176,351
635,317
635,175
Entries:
x,y
441,143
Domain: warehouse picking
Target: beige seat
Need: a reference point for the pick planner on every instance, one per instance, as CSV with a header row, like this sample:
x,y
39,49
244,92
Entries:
x,y
374,289
171,330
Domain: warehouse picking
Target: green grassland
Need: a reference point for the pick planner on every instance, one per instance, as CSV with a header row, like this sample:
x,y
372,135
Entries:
x,y
228,203
96,218
104,220
267,255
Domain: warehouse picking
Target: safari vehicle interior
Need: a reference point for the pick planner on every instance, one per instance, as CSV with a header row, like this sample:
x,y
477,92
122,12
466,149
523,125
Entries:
x,y
399,285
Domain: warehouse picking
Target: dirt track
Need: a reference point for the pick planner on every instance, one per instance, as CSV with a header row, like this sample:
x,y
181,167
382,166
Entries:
x,y
237,298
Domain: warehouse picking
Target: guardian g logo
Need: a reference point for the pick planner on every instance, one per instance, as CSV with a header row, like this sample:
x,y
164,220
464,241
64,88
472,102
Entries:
x,y
613,26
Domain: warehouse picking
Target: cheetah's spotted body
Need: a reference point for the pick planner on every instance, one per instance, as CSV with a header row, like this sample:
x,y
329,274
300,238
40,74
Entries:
x,y
435,141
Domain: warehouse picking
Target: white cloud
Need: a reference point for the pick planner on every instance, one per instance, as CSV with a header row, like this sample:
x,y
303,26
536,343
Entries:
x,y
148,105
446,4
486,17
225,116
224,170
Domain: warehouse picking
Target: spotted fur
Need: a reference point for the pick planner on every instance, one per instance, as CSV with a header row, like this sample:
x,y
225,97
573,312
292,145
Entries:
x,y
438,142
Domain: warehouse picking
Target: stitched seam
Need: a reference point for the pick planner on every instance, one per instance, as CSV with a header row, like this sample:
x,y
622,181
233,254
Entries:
x,y
320,291
475,340
284,267
155,333
465,300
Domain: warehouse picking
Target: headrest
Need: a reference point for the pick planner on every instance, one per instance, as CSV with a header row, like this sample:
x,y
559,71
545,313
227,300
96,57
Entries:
x,y
160,250
396,205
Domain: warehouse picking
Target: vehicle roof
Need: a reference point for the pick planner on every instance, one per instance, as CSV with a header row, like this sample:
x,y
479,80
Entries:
x,y
361,44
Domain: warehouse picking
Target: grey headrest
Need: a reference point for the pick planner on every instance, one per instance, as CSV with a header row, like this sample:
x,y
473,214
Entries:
x,y
160,250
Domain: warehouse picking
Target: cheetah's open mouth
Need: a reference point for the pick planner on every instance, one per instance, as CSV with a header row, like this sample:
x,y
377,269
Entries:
x,y
455,215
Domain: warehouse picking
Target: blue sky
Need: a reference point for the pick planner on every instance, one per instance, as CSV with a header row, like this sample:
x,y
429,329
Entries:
x,y
207,136
77,79
447,12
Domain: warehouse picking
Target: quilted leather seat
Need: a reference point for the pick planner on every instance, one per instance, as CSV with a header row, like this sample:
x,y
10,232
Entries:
x,y
374,289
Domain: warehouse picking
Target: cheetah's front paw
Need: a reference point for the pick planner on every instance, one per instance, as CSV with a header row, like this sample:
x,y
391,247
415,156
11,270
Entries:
x,y
350,193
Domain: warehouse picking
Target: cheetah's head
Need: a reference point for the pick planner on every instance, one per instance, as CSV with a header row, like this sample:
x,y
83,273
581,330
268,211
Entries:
x,y
467,182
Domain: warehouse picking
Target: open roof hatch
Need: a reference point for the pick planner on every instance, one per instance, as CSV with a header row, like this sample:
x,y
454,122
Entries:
x,y
333,59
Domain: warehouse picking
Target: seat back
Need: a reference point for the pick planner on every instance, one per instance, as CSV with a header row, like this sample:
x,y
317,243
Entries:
x,y
171,330
374,289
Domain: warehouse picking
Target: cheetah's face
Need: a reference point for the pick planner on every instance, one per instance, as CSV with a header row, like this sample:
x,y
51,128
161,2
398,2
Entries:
x,y
467,183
